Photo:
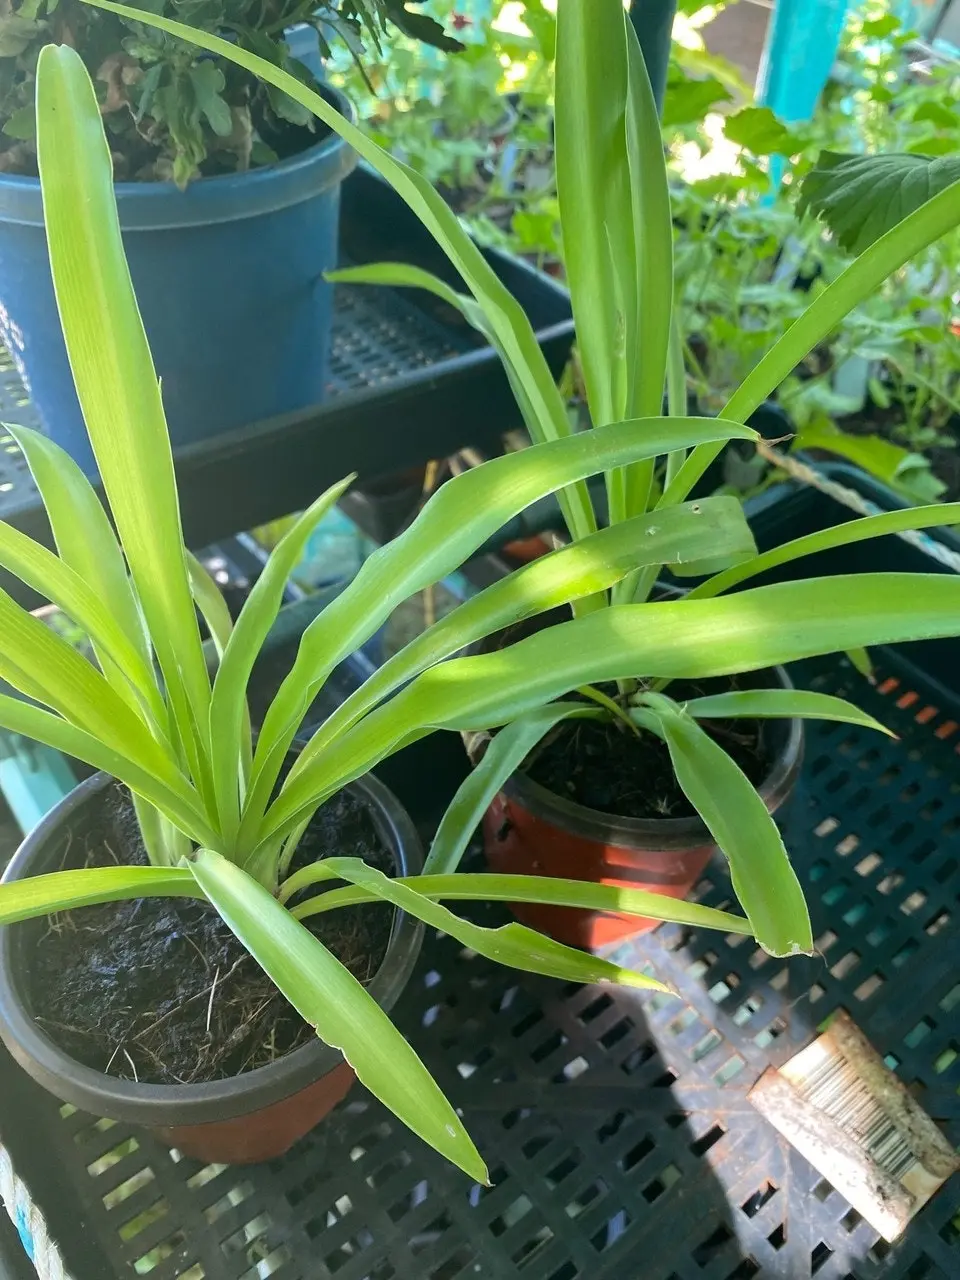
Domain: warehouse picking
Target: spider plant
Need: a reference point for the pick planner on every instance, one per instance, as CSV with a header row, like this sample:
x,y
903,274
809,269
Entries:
x,y
618,248
214,821
146,711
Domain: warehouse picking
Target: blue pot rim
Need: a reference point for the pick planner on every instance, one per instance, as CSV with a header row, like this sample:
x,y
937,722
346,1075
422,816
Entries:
x,y
229,197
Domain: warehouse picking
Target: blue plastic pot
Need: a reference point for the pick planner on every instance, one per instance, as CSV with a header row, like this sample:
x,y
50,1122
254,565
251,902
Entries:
x,y
229,277
304,45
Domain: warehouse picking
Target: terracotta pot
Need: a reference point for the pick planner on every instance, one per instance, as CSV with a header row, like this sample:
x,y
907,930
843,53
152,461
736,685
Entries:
x,y
529,830
251,1117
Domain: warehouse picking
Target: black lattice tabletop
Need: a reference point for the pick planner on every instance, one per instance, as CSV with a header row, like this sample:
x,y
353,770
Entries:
x,y
617,1129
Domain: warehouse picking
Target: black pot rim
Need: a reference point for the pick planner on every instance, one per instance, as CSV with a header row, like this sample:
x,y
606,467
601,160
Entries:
x,y
161,1105
670,834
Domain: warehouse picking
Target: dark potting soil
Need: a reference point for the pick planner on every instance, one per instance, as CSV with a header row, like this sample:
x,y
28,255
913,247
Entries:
x,y
604,766
159,990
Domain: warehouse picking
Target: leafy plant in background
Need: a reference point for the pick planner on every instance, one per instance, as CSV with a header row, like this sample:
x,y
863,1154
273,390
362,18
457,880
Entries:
x,y
478,125
616,217
882,391
170,113
902,342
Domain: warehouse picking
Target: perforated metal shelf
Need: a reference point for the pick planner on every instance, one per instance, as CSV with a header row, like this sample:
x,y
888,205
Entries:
x,y
378,337
409,381
617,1129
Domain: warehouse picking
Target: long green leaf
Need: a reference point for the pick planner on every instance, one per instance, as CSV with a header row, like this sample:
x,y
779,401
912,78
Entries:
x,y
83,535
575,501
42,665
681,639
402,275
86,542
66,890
343,1012
647,351
437,542
209,600
763,879
593,184
159,782
54,579
467,886
583,568
799,704
515,335
511,944
114,374
504,754
861,279
229,713
840,535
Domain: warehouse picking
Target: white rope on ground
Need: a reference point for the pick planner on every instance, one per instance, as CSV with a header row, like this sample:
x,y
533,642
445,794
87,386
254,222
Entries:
x,y
852,500
30,1223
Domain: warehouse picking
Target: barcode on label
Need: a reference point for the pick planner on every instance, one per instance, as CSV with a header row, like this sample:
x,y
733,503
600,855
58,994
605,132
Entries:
x,y
840,1106
833,1085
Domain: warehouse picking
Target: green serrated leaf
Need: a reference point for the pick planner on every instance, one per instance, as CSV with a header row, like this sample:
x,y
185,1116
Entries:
x,y
687,100
208,84
862,197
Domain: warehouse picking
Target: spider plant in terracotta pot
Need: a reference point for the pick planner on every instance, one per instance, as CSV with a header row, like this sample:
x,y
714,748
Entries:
x,y
644,668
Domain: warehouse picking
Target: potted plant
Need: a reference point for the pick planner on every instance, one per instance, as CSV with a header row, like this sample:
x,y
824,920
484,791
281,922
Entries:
x,y
615,211
229,202
219,822
197,878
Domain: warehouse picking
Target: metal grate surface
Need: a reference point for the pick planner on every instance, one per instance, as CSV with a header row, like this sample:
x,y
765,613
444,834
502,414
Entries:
x,y
619,1137
378,335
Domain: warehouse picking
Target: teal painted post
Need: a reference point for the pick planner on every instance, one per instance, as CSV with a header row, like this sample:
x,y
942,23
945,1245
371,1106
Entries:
x,y
801,48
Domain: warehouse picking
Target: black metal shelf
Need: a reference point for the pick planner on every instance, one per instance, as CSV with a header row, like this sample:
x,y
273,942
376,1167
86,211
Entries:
x,y
410,381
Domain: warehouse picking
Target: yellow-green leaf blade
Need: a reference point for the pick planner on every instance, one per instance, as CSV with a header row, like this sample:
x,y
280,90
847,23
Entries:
x,y
160,784
556,892
343,1012
229,713
66,890
437,542
583,568
841,535
113,371
802,704
684,639
765,883
514,945
54,579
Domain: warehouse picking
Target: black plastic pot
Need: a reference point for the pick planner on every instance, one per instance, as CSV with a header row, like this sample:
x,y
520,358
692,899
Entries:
x,y
248,1118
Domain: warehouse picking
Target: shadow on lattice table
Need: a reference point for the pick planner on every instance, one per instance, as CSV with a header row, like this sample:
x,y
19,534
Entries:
x,y
619,1136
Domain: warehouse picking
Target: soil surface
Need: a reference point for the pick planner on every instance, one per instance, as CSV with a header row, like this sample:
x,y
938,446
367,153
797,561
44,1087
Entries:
x,y
159,990
603,766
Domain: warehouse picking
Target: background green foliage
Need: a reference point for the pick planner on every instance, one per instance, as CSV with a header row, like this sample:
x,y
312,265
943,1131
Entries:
x,y
170,110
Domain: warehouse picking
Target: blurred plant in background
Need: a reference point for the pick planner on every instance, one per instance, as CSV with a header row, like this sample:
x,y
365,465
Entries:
x,y
170,110
884,391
